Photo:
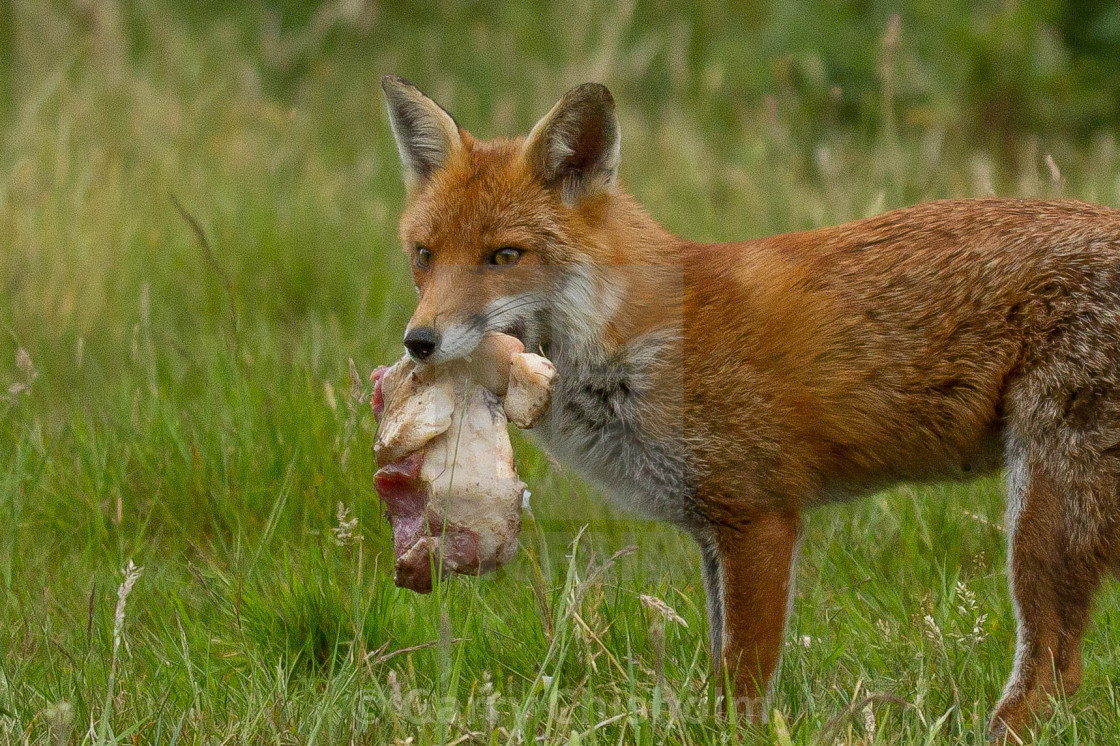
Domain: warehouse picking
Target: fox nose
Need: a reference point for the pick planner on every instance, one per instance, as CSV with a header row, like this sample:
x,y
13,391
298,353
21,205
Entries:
x,y
421,342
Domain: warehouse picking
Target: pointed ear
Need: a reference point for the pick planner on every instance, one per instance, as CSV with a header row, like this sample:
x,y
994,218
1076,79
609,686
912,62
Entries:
x,y
426,134
575,147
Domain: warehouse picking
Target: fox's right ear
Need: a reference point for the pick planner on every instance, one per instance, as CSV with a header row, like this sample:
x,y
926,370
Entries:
x,y
426,134
574,148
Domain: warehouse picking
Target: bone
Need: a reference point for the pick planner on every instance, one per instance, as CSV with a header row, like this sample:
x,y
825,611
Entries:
x,y
530,389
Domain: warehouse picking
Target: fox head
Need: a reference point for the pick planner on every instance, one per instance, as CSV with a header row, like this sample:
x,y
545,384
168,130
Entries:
x,y
501,234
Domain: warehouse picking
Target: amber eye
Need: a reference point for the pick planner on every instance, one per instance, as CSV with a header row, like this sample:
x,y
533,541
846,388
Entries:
x,y
506,256
423,257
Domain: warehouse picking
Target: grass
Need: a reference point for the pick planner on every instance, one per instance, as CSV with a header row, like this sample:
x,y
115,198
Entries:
x,y
189,410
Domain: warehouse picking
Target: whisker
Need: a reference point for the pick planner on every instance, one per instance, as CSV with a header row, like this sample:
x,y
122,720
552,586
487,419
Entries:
x,y
515,305
515,302
507,314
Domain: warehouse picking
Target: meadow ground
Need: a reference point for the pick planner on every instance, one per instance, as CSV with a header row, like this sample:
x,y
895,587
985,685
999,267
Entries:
x,y
190,409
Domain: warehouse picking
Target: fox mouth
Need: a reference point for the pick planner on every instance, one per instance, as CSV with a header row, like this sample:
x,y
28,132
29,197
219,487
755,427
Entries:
x,y
516,328
460,340
530,333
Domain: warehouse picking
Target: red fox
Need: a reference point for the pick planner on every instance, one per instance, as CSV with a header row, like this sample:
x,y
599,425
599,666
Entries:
x,y
728,387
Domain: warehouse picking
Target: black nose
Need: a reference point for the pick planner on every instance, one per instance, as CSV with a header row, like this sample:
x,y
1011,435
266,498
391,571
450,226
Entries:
x,y
421,342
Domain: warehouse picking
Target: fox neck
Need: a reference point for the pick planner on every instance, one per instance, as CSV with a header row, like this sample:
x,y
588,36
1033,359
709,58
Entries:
x,y
625,283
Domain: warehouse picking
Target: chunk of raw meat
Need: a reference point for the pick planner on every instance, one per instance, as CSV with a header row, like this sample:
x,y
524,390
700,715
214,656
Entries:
x,y
446,472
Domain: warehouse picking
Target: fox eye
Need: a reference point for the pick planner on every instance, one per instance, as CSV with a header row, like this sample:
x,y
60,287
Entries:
x,y
506,256
423,257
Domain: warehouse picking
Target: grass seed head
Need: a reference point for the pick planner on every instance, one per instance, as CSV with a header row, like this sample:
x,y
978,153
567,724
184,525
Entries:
x,y
346,532
667,612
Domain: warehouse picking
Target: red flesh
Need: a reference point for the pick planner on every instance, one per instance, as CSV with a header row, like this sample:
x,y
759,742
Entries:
x,y
421,538
378,399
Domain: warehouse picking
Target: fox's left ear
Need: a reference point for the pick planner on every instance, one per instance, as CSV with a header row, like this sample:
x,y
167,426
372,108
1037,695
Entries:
x,y
575,148
426,134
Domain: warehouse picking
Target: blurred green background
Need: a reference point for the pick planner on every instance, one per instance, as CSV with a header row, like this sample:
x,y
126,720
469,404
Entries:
x,y
188,404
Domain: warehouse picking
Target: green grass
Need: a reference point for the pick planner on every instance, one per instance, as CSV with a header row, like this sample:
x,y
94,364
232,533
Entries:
x,y
191,413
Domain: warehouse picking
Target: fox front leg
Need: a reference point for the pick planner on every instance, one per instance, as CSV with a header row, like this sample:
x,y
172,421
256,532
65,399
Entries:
x,y
748,568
